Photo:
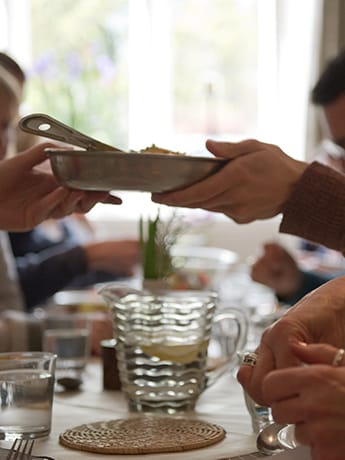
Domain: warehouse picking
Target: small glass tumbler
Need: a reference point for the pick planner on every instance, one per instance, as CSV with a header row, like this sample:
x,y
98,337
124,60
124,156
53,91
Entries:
x,y
261,416
68,336
26,394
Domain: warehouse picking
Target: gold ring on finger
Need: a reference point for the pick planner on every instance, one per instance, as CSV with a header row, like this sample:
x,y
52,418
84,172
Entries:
x,y
338,357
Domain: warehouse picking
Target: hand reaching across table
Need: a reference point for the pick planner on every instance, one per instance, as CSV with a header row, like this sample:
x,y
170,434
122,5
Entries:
x,y
277,269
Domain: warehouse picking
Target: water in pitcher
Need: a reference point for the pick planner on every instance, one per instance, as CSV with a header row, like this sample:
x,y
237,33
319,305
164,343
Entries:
x,y
162,344
166,377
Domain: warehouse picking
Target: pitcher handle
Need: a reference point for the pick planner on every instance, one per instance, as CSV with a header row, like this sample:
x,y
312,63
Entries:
x,y
230,356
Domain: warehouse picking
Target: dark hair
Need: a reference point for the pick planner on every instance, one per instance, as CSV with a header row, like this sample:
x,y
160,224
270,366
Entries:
x,y
8,63
331,83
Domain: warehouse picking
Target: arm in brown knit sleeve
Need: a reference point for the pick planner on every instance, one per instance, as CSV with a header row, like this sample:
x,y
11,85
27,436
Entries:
x,y
316,208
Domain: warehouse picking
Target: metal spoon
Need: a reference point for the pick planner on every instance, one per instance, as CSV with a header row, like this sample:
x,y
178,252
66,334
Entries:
x,y
267,441
46,126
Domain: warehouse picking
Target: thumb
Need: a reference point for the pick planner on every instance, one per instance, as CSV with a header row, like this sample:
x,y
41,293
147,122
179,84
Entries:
x,y
33,156
233,149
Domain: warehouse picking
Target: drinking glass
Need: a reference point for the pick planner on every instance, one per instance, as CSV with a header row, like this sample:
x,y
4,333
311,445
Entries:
x,y
26,394
68,336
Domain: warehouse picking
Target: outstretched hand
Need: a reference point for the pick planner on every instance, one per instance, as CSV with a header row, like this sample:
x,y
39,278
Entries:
x,y
28,195
254,185
277,269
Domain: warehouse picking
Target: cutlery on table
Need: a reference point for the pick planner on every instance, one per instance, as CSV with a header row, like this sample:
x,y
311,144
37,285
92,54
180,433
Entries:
x,y
267,441
252,456
42,457
7,454
21,449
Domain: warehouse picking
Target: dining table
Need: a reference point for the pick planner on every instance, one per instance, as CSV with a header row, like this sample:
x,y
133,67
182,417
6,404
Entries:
x,y
221,404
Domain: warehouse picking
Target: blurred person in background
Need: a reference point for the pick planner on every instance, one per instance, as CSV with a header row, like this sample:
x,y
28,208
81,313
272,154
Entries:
x,y
48,263
40,265
276,267
19,140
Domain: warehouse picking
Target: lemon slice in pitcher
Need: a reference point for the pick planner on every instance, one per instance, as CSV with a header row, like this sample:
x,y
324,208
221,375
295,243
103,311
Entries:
x,y
181,354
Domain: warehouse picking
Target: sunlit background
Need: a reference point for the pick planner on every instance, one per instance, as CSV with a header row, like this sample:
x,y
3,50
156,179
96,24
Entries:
x,y
173,72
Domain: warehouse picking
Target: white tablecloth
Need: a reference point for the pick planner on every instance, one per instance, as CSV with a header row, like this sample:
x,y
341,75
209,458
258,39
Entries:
x,y
222,404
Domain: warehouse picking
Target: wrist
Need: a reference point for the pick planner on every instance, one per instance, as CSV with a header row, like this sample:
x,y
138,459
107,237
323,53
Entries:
x,y
293,291
92,257
296,171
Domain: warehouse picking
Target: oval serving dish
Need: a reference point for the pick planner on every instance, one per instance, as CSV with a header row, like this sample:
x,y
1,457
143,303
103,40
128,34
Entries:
x,y
146,172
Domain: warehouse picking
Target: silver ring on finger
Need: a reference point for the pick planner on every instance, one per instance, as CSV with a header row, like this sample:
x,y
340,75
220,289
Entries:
x,y
338,357
249,359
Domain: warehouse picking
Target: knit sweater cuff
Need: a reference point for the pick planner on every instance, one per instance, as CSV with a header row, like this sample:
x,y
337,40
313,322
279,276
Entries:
x,y
316,208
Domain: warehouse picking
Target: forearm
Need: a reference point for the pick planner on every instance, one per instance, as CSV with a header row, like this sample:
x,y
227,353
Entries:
x,y
42,275
36,240
316,207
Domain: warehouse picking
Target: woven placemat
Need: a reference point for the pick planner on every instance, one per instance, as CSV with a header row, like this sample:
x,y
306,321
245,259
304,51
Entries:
x,y
142,435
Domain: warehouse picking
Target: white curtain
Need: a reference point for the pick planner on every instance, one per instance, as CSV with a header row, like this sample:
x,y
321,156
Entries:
x,y
15,29
297,24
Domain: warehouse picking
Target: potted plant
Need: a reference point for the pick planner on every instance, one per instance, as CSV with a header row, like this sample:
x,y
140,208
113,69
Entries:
x,y
157,236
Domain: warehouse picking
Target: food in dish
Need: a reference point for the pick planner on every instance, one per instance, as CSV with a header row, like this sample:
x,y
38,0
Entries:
x,y
154,149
